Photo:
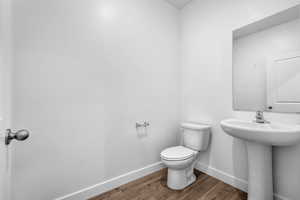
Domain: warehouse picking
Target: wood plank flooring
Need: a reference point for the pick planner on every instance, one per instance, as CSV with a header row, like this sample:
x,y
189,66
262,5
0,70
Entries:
x,y
153,187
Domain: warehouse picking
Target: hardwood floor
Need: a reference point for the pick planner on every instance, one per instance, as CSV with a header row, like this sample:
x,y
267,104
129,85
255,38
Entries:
x,y
153,187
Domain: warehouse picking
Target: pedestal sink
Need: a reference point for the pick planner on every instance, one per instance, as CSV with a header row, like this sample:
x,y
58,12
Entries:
x,y
259,140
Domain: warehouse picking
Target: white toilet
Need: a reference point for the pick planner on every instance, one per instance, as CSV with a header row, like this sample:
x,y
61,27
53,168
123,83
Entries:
x,y
181,160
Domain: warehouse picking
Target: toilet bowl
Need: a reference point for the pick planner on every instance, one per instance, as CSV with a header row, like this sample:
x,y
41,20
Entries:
x,y
181,160
180,166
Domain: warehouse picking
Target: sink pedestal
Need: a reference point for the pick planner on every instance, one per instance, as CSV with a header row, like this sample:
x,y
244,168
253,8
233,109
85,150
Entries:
x,y
260,177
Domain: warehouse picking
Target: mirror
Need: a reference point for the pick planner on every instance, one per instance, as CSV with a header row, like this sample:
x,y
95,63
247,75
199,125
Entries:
x,y
266,64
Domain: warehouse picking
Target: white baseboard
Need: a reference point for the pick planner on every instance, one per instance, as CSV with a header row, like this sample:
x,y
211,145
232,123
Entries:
x,y
279,197
112,183
225,177
229,179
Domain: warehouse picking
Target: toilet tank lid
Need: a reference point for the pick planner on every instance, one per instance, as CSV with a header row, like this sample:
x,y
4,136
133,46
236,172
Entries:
x,y
195,126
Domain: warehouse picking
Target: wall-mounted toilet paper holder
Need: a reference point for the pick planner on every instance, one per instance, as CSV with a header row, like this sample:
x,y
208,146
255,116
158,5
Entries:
x,y
139,125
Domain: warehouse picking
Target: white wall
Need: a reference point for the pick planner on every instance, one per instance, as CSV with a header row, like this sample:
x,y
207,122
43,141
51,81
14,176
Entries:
x,y
85,72
207,27
250,60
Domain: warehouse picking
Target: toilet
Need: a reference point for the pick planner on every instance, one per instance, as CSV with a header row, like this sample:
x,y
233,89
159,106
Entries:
x,y
180,160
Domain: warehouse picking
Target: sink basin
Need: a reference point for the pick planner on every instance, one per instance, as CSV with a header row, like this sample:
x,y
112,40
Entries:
x,y
275,134
259,139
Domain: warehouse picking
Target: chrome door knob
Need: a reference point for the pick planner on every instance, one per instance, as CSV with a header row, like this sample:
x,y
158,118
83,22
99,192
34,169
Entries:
x,y
20,135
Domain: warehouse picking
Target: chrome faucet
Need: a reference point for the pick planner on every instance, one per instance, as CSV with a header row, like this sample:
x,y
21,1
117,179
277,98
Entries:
x,y
259,118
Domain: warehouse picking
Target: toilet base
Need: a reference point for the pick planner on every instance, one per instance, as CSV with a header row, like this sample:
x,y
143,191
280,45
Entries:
x,y
180,179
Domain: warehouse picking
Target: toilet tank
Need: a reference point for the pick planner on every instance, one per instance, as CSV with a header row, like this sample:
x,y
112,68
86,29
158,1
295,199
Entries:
x,y
196,135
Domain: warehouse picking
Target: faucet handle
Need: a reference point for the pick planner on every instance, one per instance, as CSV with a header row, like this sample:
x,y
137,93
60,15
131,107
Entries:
x,y
259,118
259,112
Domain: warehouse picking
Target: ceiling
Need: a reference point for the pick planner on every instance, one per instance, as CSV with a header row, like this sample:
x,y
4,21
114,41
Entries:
x,y
179,3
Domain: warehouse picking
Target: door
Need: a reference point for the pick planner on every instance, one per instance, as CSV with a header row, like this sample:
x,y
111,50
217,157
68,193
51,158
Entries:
x,y
283,80
5,100
4,166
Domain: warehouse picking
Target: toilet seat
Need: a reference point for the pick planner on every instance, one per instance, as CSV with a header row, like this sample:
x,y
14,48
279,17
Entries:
x,y
177,153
